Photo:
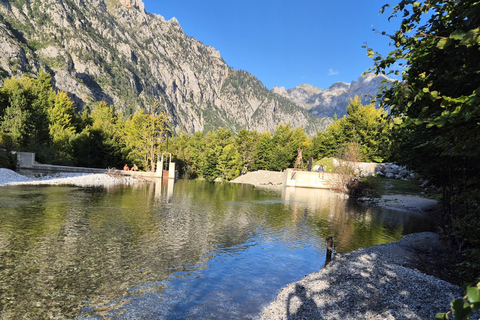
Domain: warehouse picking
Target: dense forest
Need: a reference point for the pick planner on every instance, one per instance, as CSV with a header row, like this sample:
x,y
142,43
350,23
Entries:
x,y
35,118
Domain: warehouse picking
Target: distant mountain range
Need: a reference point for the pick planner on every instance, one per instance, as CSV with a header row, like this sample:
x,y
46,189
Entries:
x,y
335,99
113,50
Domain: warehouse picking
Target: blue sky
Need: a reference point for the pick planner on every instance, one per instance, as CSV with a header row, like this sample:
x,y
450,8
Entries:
x,y
286,43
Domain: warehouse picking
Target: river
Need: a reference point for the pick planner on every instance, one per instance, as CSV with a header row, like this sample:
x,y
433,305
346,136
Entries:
x,y
193,250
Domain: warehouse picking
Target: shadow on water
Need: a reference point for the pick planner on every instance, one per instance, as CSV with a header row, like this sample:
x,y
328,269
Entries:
x,y
149,251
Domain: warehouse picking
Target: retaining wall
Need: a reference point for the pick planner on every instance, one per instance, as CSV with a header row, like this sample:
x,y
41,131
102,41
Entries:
x,y
308,179
27,164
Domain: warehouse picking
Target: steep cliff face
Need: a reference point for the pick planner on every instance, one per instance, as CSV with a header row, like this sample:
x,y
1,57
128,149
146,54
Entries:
x,y
114,50
335,99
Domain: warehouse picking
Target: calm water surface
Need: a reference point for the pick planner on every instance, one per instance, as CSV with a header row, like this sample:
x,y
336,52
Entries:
x,y
197,250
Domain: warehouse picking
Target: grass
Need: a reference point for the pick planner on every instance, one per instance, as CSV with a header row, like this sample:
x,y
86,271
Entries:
x,y
385,186
326,162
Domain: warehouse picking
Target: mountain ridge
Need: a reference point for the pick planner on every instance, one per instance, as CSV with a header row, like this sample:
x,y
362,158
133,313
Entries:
x,y
113,50
334,100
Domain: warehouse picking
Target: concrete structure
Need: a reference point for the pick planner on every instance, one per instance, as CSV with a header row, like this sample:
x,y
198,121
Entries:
x,y
308,179
26,164
167,160
312,179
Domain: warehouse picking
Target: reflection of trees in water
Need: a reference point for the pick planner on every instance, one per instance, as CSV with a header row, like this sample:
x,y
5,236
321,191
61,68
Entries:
x,y
63,248
351,224
67,245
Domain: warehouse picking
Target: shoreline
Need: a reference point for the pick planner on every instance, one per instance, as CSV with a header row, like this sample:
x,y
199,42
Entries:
x,y
11,178
378,282
375,283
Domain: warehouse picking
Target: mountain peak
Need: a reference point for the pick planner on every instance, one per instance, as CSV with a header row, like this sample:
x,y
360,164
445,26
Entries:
x,y
336,98
133,4
339,85
174,22
130,58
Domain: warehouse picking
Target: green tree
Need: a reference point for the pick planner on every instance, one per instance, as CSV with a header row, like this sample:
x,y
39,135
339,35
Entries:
x,y
17,114
246,143
286,143
263,152
229,162
438,102
61,126
102,141
144,134
26,107
367,126
220,157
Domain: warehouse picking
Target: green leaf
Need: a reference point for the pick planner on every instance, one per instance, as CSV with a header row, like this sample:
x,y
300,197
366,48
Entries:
x,y
461,309
443,43
457,35
370,53
473,294
440,122
441,316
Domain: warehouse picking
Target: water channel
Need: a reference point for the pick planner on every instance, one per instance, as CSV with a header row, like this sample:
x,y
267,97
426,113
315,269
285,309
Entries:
x,y
197,250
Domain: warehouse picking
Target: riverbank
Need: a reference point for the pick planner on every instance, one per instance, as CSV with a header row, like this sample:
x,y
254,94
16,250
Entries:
x,y
9,177
377,283
261,178
380,282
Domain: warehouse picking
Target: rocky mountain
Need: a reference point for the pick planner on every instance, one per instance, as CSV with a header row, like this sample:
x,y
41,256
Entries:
x,y
113,50
335,99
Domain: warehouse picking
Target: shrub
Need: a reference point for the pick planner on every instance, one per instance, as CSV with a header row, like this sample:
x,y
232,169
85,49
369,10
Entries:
x,y
7,160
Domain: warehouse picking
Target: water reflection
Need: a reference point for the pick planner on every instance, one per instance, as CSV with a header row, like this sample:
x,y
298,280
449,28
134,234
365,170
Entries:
x,y
164,190
154,251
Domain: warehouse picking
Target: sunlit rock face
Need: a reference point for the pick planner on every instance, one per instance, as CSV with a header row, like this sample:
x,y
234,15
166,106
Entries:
x,y
335,99
115,51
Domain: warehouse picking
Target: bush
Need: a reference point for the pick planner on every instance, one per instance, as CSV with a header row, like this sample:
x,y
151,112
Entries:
x,y
363,187
8,160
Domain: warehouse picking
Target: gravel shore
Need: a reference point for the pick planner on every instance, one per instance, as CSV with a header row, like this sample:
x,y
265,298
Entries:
x,y
380,282
9,177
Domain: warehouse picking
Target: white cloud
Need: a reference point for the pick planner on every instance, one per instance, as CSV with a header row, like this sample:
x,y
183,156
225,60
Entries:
x,y
332,72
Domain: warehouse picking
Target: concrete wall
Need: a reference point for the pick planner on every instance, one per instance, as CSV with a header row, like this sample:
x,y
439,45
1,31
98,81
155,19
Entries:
x,y
25,159
311,179
26,164
308,179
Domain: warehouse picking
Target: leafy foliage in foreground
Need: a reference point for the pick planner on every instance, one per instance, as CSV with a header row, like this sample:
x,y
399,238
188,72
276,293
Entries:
x,y
438,103
463,308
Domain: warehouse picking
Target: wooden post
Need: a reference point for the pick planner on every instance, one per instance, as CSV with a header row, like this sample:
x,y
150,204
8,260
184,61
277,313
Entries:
x,y
330,247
